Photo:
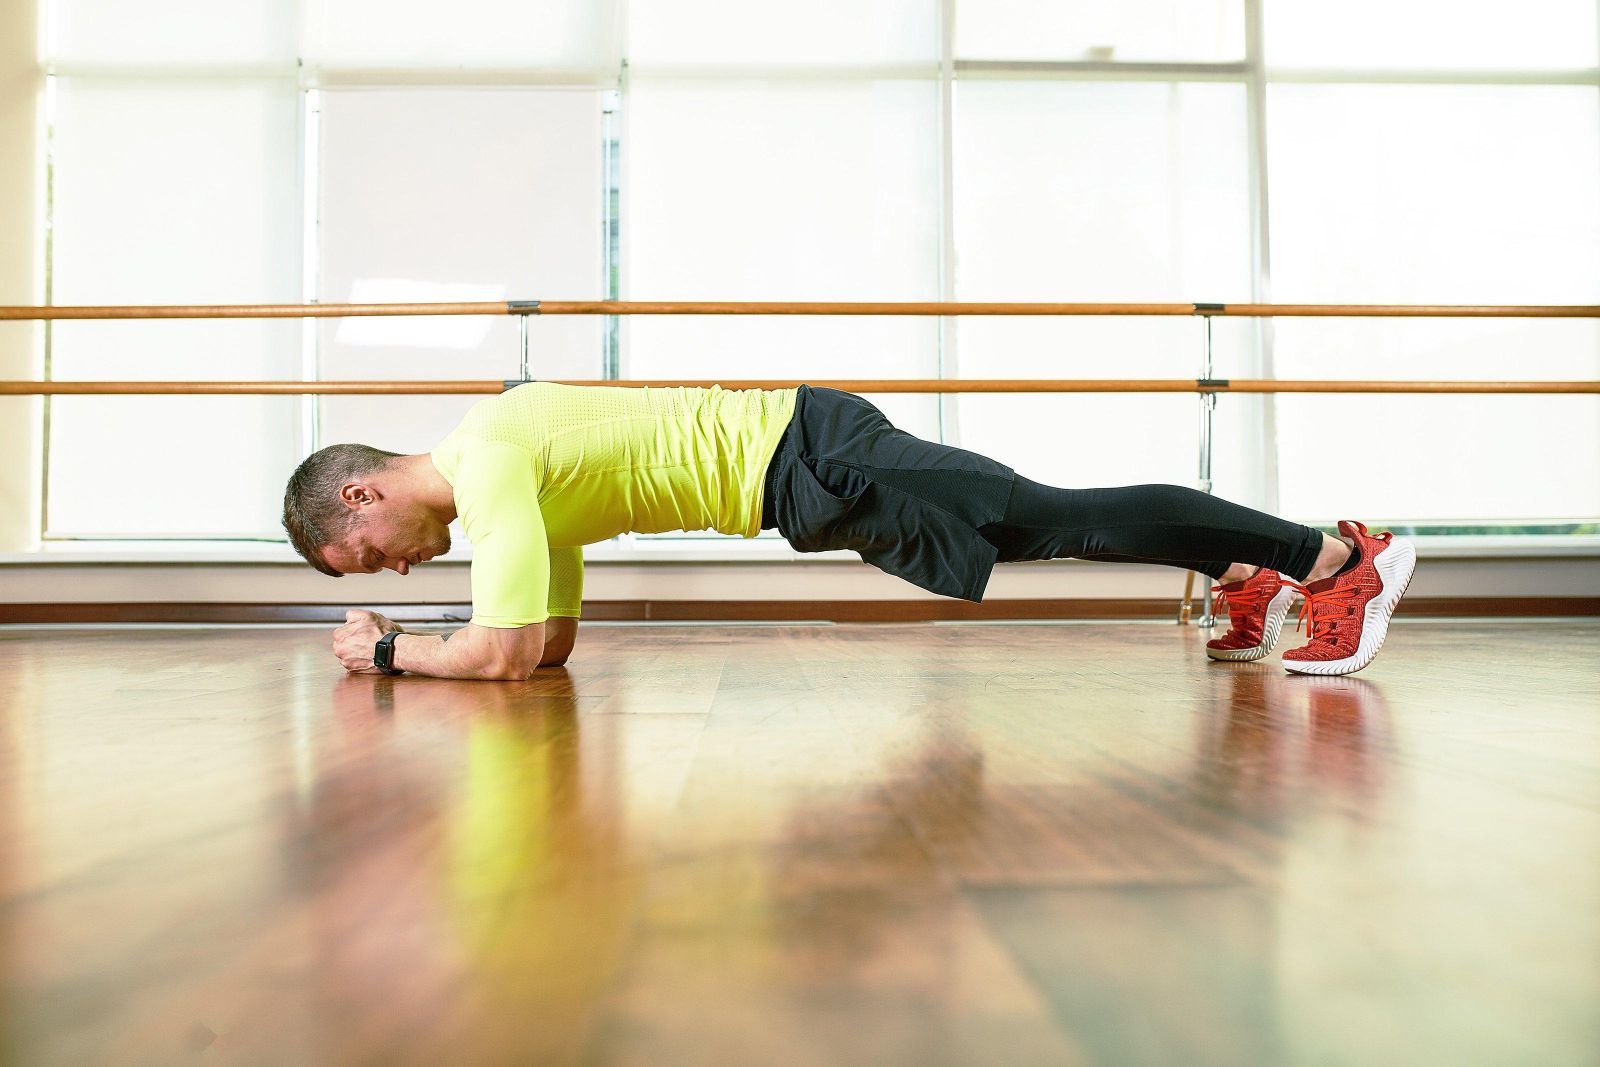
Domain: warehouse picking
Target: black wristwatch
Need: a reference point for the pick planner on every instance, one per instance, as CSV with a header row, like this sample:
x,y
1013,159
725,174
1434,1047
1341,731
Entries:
x,y
383,655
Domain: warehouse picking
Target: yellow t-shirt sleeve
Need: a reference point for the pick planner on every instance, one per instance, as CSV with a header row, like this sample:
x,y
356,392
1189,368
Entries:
x,y
499,507
566,581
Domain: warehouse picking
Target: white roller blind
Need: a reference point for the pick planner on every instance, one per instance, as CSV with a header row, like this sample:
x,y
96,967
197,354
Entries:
x,y
780,31
1437,194
208,32
565,39
575,37
1085,192
454,195
784,191
1424,34
173,194
1191,31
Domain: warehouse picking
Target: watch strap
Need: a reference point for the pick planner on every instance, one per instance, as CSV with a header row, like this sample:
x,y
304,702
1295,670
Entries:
x,y
383,654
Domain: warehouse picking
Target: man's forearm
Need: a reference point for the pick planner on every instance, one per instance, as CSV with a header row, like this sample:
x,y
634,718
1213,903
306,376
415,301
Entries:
x,y
436,656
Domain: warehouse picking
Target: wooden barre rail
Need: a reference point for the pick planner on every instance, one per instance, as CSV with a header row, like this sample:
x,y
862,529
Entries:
x,y
881,385
647,307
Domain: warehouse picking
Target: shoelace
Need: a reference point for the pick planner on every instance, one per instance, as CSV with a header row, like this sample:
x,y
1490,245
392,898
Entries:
x,y
1245,600
1322,627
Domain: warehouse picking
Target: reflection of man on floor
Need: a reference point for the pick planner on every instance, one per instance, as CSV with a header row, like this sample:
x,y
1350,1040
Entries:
x,y
544,469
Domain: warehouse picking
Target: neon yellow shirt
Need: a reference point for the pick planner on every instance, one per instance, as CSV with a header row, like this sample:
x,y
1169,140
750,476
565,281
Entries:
x,y
543,469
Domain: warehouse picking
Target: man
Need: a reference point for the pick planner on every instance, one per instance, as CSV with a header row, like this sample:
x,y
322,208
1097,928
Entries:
x,y
543,469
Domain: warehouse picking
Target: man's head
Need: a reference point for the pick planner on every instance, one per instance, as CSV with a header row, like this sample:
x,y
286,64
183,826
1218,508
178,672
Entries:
x,y
358,509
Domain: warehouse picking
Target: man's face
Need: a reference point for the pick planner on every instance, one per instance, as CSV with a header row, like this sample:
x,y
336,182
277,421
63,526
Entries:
x,y
389,534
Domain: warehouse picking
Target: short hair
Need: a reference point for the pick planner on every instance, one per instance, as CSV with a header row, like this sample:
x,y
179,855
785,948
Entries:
x,y
313,514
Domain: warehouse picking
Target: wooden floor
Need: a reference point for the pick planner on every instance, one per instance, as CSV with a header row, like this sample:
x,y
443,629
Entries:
x,y
809,845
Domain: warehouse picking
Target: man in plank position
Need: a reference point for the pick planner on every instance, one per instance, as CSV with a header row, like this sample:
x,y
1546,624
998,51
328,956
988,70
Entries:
x,y
544,469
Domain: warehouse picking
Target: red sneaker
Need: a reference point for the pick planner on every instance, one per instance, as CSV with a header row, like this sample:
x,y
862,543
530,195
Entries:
x,y
1256,608
1350,612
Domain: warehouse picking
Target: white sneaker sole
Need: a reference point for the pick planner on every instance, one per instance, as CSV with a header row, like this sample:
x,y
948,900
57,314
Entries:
x,y
1277,609
1395,565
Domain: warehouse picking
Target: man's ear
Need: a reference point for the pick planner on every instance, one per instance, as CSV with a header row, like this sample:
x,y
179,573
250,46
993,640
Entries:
x,y
355,495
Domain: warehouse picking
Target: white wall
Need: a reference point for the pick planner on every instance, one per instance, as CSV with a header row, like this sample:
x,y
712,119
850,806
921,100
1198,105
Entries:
x,y
20,433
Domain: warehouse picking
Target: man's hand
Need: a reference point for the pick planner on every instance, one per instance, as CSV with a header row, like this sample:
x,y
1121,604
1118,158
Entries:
x,y
482,652
354,642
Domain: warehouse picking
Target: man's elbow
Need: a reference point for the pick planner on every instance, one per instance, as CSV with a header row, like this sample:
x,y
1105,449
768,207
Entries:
x,y
560,634
555,657
506,655
506,669
520,669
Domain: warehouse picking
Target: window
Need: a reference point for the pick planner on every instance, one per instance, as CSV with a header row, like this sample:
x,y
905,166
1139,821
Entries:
x,y
738,193
843,34
239,151
1469,35
1082,190
1108,31
1439,194
172,194
422,196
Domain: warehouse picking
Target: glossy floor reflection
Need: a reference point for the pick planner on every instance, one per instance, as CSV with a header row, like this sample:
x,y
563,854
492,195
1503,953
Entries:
x,y
819,845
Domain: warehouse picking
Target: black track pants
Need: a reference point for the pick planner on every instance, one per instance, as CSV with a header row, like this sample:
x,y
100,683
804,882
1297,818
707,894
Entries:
x,y
1163,524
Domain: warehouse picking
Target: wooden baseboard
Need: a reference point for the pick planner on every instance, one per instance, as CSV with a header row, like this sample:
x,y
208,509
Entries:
x,y
748,610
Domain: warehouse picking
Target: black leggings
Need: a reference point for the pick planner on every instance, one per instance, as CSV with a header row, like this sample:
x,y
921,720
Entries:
x,y
1164,524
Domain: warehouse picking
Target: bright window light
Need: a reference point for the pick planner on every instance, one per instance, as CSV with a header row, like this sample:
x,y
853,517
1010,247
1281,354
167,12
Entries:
x,y
1078,191
780,31
1437,194
172,194
1189,31
1427,34
786,191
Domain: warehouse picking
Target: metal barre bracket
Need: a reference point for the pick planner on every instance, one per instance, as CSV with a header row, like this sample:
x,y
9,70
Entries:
x,y
1212,384
1210,309
511,383
522,307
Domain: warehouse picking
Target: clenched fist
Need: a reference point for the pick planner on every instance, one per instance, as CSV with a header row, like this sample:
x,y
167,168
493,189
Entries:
x,y
354,641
